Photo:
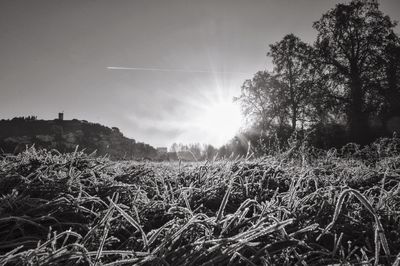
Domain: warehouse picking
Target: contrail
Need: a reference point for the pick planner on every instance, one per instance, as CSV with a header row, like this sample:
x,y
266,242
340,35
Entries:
x,y
174,70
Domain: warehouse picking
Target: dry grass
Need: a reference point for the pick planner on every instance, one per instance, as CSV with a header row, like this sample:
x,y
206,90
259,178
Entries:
x,y
303,207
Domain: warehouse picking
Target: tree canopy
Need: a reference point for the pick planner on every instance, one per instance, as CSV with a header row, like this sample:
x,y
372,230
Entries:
x,y
348,78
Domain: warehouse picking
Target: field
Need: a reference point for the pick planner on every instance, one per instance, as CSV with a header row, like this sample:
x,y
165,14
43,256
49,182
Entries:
x,y
296,207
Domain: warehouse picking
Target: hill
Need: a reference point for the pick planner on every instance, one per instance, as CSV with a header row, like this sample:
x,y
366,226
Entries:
x,y
65,135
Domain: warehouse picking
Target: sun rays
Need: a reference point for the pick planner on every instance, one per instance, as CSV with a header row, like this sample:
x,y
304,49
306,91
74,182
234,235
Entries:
x,y
204,111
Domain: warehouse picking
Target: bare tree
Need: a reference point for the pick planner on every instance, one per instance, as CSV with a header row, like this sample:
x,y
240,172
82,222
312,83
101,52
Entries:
x,y
293,73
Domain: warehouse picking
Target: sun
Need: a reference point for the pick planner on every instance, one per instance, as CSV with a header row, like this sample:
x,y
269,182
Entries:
x,y
220,121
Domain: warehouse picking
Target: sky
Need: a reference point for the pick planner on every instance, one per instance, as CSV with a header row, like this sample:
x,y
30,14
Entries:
x,y
194,55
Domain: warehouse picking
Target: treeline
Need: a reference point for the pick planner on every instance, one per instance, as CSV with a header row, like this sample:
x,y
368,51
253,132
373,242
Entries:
x,y
342,88
22,118
196,151
201,152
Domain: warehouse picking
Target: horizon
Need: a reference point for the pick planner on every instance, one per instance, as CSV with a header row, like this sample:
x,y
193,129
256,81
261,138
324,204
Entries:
x,y
57,118
158,71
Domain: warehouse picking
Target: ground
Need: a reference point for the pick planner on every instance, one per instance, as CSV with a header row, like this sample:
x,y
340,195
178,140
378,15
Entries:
x,y
303,206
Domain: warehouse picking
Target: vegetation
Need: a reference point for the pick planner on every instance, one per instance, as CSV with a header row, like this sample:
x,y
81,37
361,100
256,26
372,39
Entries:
x,y
65,135
269,197
344,87
301,206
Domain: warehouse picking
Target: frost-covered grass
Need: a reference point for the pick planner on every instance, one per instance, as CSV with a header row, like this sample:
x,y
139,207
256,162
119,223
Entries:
x,y
302,206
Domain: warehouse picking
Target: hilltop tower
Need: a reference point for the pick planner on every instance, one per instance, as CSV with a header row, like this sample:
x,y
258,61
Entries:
x,y
61,116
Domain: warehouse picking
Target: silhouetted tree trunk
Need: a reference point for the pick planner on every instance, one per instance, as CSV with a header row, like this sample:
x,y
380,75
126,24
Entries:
x,y
357,121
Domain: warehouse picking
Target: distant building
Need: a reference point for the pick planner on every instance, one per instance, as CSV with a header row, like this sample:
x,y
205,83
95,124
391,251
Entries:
x,y
162,150
61,116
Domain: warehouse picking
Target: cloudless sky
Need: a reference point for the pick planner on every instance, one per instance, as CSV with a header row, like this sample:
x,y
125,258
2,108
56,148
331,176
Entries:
x,y
54,56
